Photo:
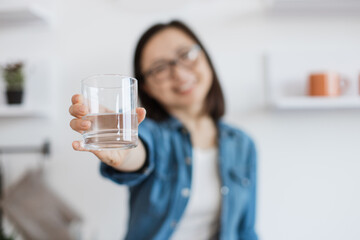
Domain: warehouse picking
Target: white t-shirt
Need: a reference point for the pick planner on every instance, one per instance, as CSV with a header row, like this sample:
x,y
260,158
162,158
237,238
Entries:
x,y
201,216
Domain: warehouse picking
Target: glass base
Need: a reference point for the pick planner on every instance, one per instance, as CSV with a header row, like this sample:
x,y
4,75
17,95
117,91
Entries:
x,y
110,146
110,140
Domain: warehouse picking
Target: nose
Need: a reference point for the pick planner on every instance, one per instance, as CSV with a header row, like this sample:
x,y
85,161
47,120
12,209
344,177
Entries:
x,y
179,73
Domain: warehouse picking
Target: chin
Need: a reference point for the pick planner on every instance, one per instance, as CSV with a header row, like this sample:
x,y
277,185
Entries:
x,y
189,101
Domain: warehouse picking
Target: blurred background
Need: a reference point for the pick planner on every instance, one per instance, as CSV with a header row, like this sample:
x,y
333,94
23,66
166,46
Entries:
x,y
264,52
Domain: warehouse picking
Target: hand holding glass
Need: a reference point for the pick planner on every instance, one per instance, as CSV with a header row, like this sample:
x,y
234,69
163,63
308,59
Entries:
x,y
111,100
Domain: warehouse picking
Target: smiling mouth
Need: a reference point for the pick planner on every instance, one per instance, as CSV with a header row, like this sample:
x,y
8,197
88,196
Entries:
x,y
186,88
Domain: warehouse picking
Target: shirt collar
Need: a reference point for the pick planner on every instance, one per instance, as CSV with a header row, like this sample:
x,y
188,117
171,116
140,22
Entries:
x,y
175,124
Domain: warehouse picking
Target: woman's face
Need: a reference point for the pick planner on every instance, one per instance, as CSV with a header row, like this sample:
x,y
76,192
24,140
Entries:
x,y
175,85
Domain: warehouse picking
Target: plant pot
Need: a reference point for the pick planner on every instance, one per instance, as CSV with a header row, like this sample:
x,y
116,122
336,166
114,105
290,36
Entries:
x,y
14,96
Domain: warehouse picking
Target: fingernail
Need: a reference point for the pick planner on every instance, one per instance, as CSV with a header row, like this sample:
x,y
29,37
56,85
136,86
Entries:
x,y
85,124
76,145
83,109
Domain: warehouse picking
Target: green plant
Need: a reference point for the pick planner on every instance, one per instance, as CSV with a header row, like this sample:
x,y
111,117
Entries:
x,y
4,236
14,76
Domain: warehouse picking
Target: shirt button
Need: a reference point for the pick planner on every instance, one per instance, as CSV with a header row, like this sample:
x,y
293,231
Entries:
x,y
224,190
147,172
184,131
245,182
185,192
173,224
188,160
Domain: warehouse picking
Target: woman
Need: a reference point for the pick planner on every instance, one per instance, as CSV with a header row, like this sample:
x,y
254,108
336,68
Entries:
x,y
191,176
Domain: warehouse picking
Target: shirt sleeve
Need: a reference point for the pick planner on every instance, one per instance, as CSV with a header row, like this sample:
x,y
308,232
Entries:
x,y
247,227
147,131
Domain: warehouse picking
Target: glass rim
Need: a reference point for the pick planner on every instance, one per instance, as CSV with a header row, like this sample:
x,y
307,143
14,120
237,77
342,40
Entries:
x,y
94,76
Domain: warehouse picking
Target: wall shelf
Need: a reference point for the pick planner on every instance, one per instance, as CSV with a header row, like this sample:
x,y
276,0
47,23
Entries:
x,y
305,102
37,93
22,14
313,7
21,111
286,79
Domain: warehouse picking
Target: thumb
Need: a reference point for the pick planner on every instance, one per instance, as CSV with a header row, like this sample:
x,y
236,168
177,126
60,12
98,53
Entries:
x,y
141,113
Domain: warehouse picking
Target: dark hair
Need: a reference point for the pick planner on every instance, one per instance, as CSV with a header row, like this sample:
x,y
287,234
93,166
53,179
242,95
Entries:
x,y
215,103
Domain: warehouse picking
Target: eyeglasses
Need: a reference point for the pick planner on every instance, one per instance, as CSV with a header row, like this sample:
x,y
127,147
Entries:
x,y
186,58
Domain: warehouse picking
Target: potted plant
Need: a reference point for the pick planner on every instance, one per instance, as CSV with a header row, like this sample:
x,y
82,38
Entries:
x,y
14,78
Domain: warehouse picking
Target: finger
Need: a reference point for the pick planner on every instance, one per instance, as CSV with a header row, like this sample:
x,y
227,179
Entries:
x,y
79,146
141,113
77,98
105,109
80,125
78,110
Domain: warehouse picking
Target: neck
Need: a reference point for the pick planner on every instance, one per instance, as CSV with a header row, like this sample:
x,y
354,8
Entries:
x,y
201,126
190,116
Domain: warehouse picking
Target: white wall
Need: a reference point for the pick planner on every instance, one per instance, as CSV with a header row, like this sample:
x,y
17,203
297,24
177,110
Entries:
x,y
308,160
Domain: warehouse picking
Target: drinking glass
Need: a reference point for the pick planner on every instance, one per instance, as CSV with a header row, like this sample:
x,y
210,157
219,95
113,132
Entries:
x,y
111,100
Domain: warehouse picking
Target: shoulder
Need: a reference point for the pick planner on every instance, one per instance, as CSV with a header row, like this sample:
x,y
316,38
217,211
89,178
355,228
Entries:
x,y
154,129
242,144
235,132
148,123
152,124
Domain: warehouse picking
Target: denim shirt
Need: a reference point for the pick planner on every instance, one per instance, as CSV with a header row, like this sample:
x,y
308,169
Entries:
x,y
157,202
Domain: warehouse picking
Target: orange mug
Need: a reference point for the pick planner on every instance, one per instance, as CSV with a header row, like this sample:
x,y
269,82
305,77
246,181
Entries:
x,y
329,84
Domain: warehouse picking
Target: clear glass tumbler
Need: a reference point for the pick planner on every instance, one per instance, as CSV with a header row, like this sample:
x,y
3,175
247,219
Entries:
x,y
111,100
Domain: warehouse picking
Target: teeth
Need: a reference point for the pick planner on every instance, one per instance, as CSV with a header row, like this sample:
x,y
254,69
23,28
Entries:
x,y
186,87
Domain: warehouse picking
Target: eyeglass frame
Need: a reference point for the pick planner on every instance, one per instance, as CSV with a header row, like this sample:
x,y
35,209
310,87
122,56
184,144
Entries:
x,y
174,62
